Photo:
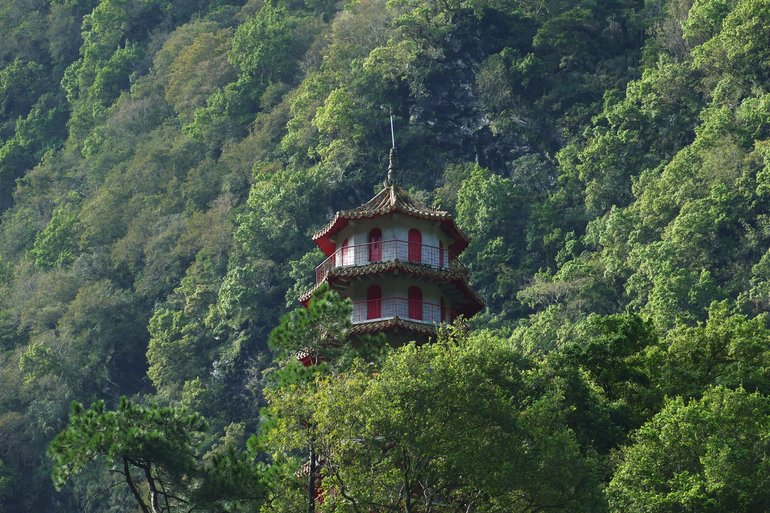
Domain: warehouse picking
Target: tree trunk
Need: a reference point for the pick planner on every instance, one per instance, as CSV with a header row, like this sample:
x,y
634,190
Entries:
x,y
154,500
132,486
311,480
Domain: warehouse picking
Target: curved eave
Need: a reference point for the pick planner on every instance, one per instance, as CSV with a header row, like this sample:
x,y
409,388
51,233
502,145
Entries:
x,y
396,323
323,238
342,218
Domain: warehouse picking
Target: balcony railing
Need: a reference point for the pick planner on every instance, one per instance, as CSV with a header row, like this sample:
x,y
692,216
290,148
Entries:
x,y
403,308
389,251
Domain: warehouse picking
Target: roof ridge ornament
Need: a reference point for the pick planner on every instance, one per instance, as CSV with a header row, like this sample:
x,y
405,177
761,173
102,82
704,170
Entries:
x,y
390,181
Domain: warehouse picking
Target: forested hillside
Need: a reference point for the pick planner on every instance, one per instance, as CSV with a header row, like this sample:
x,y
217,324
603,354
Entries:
x,y
163,164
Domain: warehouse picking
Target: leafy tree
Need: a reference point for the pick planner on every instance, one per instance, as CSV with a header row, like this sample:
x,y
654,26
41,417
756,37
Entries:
x,y
198,70
261,47
442,423
729,349
739,37
34,134
265,50
321,329
629,139
163,446
56,245
706,455
20,86
492,212
615,352
173,335
319,335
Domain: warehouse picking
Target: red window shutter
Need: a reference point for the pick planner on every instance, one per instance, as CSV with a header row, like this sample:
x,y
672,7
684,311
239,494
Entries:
x,y
374,302
415,303
415,246
375,245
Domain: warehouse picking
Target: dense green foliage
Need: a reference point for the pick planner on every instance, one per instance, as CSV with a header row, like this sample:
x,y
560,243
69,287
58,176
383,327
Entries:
x,y
442,424
157,449
163,164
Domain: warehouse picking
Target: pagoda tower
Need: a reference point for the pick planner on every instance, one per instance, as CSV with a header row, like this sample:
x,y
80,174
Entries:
x,y
396,259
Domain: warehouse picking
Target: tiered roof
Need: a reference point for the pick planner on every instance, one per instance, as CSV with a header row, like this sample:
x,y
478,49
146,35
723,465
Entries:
x,y
391,199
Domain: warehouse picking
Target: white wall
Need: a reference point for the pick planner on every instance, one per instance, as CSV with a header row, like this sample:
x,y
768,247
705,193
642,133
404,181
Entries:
x,y
397,287
395,227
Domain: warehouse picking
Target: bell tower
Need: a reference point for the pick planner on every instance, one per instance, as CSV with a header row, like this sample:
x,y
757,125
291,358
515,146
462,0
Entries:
x,y
396,259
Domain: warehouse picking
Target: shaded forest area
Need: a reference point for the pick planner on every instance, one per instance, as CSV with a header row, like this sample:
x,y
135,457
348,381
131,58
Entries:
x,y
164,162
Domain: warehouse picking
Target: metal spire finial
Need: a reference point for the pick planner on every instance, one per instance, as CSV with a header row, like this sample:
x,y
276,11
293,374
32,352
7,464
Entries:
x,y
392,156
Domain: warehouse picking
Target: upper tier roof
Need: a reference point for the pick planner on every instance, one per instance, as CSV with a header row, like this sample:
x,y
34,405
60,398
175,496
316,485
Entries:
x,y
391,199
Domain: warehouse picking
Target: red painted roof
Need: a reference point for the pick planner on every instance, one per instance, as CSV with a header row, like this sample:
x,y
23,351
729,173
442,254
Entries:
x,y
391,199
